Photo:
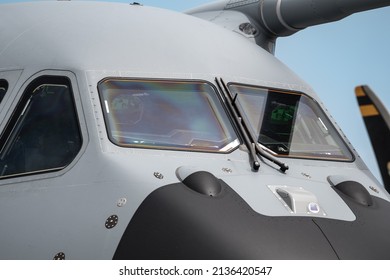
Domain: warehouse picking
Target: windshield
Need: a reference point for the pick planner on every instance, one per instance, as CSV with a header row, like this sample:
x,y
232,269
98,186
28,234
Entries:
x,y
177,115
289,124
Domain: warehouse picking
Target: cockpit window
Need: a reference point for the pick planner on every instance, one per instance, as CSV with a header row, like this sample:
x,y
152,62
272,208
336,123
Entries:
x,y
290,124
43,134
3,88
176,115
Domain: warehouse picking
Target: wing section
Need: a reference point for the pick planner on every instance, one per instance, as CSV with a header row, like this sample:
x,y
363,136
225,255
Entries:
x,y
262,21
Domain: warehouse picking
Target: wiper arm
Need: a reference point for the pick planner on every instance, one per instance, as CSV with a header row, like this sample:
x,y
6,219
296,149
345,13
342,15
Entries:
x,y
255,164
261,152
254,148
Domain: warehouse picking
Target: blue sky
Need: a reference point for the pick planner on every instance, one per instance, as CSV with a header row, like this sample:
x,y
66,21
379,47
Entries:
x,y
333,58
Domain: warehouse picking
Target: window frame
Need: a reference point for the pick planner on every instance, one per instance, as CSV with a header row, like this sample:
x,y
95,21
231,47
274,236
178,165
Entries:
x,y
235,143
21,101
336,129
4,85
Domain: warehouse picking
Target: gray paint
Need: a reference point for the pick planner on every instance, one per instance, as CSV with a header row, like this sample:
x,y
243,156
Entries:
x,y
65,211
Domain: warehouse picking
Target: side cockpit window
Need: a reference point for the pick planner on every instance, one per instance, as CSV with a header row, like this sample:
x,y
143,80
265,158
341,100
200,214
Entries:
x,y
43,133
3,88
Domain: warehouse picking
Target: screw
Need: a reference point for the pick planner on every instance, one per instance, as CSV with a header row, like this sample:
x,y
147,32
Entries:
x,y
227,170
374,189
59,256
121,202
158,175
306,175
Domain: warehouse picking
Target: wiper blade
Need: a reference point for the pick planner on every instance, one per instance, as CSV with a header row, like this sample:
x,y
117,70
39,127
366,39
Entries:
x,y
253,146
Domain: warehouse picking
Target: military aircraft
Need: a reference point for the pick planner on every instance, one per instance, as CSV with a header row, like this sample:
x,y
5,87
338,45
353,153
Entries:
x,y
131,132
377,121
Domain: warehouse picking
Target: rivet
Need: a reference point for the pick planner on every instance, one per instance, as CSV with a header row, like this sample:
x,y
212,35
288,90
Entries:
x,y
121,202
374,189
227,170
158,175
111,221
306,175
60,256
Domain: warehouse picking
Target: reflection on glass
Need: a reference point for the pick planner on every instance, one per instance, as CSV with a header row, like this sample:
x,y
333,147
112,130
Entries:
x,y
289,124
166,114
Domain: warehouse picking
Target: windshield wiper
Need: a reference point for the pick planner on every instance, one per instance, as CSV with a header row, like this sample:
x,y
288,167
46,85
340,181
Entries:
x,y
254,148
255,164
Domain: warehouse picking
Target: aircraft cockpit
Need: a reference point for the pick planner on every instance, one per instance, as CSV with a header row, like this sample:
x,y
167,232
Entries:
x,y
152,134
181,115
189,115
